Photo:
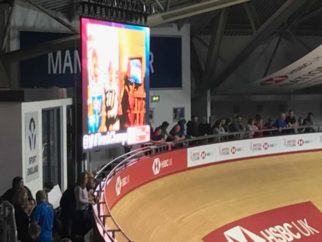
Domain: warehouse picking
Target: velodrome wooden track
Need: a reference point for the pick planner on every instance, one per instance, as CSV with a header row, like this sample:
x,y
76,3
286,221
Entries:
x,y
187,206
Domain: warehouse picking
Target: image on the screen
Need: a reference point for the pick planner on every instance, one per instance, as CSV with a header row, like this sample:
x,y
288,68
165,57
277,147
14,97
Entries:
x,y
115,63
135,69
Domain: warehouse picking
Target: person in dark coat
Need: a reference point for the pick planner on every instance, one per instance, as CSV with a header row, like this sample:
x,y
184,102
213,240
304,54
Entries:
x,y
17,184
192,127
21,216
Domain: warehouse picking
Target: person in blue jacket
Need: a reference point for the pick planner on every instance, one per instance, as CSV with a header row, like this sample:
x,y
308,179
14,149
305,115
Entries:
x,y
43,215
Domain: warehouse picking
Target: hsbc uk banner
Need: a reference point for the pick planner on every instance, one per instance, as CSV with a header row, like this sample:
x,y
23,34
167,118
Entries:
x,y
248,148
299,222
142,171
303,73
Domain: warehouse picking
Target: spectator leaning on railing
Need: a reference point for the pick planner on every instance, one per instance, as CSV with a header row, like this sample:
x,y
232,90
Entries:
x,y
308,121
280,123
255,127
192,127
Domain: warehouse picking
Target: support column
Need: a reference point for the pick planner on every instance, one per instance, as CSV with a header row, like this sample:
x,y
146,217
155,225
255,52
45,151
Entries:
x,y
201,106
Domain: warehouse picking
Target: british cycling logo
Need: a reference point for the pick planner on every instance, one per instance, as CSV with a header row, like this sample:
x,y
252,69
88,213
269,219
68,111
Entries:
x,y
32,136
156,166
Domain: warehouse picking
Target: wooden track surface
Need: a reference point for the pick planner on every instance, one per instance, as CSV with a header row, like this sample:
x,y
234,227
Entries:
x,y
187,206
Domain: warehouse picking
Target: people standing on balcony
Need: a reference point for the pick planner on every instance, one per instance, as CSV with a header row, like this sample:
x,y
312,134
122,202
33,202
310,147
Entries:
x,y
218,127
43,215
237,126
157,136
260,126
226,124
175,134
182,123
251,128
67,205
281,124
164,130
17,184
192,127
204,127
82,219
291,122
308,121
22,215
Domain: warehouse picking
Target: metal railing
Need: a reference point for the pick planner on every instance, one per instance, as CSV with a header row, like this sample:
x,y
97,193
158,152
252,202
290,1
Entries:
x,y
8,229
105,174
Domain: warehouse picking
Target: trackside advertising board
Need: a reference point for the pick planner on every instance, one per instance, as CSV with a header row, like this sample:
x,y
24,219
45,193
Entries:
x,y
219,152
299,222
142,171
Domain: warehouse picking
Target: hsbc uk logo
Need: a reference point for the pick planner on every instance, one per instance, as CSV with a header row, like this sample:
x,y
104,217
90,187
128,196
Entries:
x,y
229,150
261,146
240,234
292,231
200,155
157,165
120,183
300,142
295,142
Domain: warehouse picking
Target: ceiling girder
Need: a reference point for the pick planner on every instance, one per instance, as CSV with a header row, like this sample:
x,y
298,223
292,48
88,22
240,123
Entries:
x,y
8,26
191,10
214,47
196,66
41,49
252,15
267,28
53,15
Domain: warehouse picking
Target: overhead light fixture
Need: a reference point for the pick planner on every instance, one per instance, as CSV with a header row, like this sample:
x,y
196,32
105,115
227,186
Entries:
x,y
191,10
129,11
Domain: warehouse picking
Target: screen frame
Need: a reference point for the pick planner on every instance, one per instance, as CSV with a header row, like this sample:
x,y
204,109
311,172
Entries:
x,y
145,80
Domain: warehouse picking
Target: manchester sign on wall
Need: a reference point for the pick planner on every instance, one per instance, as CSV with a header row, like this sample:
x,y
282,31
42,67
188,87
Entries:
x,y
305,72
62,68
31,146
299,222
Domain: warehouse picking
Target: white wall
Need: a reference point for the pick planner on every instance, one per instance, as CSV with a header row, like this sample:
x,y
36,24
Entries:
x,y
10,140
37,184
171,98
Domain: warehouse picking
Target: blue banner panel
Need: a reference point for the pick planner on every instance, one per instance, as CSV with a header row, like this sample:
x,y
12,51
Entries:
x,y
56,69
166,62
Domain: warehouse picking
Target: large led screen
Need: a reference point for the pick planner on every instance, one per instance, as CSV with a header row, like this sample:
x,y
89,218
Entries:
x,y
115,74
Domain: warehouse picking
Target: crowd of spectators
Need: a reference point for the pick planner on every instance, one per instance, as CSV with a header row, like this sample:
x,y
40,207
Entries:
x,y
286,123
36,220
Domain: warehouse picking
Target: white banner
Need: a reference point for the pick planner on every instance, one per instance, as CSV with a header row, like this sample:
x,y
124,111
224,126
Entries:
x,y
231,150
31,146
303,73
